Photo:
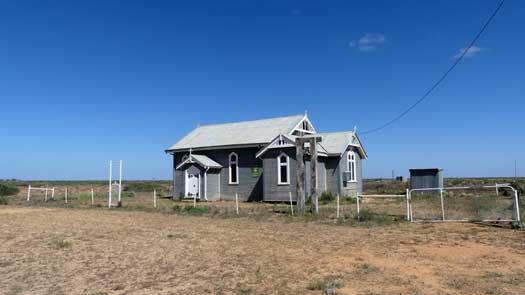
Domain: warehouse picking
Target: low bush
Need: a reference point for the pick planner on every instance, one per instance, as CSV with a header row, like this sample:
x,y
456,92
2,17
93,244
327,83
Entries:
x,y
3,200
8,190
366,215
190,209
326,197
142,186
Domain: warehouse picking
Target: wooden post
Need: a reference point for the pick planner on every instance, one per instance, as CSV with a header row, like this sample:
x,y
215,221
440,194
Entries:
x,y
53,193
28,192
337,205
194,200
313,174
291,203
299,151
92,196
65,196
45,194
237,203
154,198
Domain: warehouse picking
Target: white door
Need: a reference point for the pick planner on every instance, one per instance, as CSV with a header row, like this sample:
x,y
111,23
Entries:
x,y
192,185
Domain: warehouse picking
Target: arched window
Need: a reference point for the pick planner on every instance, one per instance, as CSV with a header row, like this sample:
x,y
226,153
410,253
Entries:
x,y
283,169
234,168
351,167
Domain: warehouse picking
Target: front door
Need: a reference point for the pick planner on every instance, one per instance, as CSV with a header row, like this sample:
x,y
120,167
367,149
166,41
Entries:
x,y
193,185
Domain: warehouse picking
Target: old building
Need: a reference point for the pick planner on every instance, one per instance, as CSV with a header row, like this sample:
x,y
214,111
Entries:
x,y
257,160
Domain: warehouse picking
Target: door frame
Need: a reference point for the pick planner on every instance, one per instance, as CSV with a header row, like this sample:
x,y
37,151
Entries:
x,y
186,184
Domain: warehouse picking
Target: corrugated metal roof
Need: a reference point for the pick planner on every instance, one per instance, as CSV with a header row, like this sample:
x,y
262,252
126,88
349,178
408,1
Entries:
x,y
336,142
238,133
205,161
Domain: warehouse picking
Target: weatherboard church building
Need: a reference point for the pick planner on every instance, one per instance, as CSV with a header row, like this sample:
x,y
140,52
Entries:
x,y
257,160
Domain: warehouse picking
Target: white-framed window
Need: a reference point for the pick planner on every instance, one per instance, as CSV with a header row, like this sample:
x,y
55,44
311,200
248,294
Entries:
x,y
283,169
351,166
234,168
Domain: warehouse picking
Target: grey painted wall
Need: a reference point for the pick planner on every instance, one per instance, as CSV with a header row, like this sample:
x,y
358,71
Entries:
x,y
348,188
265,187
249,187
272,190
276,192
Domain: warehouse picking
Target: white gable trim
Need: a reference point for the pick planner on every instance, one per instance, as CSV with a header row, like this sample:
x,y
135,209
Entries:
x,y
298,127
285,142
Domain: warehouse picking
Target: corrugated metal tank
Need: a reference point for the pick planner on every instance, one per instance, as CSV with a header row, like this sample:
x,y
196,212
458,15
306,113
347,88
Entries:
x,y
426,178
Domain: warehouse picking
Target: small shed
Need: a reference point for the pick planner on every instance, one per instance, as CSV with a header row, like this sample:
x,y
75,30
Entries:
x,y
426,178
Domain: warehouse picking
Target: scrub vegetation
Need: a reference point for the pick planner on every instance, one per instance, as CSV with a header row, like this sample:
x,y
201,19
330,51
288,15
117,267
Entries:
x,y
182,247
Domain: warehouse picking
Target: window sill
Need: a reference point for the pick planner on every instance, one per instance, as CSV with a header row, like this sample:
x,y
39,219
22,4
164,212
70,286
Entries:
x,y
283,184
233,183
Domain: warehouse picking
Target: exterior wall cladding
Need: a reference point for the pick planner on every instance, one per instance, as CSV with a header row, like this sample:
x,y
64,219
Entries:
x,y
264,187
249,187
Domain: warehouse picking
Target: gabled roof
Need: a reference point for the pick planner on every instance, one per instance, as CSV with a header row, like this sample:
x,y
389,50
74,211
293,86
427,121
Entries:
x,y
336,143
243,133
284,141
202,160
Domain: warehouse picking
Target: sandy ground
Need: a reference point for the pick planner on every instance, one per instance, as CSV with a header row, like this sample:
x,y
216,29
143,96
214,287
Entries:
x,y
100,251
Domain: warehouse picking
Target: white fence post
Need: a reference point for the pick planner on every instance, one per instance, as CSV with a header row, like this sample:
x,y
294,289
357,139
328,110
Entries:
x,y
109,194
92,197
53,193
442,204
237,203
337,205
408,206
357,202
194,200
28,192
45,198
66,194
291,203
154,198
120,184
516,200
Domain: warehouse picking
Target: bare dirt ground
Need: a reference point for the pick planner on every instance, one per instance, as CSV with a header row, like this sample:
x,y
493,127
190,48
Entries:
x,y
100,251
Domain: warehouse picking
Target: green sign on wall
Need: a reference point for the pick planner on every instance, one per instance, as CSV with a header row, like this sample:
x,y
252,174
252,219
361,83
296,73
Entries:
x,y
255,172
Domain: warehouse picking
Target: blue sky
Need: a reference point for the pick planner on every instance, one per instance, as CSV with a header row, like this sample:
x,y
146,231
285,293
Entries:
x,y
83,82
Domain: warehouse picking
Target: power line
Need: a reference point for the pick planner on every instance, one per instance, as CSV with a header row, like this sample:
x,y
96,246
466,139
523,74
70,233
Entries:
x,y
435,85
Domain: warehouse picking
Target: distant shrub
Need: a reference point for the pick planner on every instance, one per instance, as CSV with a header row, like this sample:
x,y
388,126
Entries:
x,y
350,200
142,186
365,215
3,200
190,209
326,197
8,190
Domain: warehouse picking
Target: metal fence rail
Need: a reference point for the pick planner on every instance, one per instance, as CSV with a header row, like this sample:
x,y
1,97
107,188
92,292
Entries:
x,y
516,216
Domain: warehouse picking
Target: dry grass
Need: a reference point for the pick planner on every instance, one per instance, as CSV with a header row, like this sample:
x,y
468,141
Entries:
x,y
80,251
